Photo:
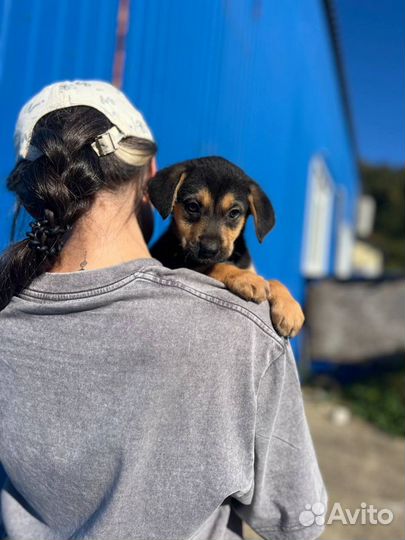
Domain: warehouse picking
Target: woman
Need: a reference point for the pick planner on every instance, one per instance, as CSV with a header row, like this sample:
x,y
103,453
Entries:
x,y
136,402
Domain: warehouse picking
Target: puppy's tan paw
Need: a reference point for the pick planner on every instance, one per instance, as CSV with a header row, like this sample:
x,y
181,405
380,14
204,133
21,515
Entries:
x,y
249,286
287,317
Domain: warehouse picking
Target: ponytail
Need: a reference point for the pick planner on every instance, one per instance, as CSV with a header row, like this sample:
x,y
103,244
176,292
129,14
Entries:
x,y
58,188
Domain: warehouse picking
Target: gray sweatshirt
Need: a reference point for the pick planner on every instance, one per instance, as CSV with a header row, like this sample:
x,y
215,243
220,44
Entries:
x,y
142,403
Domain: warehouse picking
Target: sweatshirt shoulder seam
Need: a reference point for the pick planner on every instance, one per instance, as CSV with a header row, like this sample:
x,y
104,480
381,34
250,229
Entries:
x,y
218,301
33,294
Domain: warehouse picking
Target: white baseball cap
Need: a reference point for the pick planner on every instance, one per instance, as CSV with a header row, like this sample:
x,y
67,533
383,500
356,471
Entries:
x,y
126,119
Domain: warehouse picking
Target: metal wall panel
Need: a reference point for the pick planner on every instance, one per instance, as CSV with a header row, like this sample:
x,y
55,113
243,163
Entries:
x,y
42,41
256,82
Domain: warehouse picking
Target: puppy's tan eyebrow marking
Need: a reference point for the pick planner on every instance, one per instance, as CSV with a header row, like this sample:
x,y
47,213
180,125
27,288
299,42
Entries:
x,y
227,202
204,198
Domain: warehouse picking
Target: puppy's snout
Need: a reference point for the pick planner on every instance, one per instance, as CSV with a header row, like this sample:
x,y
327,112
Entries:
x,y
209,247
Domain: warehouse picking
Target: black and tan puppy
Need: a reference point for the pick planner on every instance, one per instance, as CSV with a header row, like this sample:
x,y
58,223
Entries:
x,y
210,200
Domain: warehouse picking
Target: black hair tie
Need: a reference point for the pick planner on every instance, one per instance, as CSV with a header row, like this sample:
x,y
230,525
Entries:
x,y
46,239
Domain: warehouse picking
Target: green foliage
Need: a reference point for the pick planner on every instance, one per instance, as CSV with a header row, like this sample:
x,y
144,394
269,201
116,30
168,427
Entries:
x,y
387,186
380,400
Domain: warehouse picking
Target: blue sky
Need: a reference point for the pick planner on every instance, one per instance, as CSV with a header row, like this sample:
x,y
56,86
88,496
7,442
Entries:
x,y
372,40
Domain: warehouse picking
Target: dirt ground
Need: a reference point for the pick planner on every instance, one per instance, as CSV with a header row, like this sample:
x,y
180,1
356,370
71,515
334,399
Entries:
x,y
360,464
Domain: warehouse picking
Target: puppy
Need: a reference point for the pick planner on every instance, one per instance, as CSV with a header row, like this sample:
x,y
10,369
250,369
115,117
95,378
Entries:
x,y
210,200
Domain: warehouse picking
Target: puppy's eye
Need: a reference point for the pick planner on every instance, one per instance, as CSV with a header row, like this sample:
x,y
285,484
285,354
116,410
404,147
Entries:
x,y
234,213
192,207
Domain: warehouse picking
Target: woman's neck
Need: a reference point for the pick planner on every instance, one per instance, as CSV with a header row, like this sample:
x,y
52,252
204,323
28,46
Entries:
x,y
106,236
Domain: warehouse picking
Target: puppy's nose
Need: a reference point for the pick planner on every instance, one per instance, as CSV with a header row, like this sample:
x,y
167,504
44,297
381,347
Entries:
x,y
209,248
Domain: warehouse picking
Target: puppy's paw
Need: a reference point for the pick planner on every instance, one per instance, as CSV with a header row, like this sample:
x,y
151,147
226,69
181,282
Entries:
x,y
287,316
286,313
248,286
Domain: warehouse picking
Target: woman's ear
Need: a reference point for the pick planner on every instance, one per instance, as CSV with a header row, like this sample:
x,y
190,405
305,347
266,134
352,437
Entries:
x,y
164,186
153,167
151,173
262,210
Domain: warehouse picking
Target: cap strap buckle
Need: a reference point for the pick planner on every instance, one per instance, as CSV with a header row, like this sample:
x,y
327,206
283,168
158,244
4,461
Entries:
x,y
107,142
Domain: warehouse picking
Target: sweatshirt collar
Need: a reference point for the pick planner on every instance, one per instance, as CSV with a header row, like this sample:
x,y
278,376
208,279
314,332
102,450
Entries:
x,y
65,282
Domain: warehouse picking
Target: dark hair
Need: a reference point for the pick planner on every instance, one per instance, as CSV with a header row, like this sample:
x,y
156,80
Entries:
x,y
60,186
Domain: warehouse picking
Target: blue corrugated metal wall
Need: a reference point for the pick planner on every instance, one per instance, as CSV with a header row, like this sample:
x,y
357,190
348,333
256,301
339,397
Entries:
x,y
252,80
256,82
42,41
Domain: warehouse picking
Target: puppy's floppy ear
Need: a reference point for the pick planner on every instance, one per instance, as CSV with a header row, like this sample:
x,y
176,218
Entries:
x,y
163,187
262,210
